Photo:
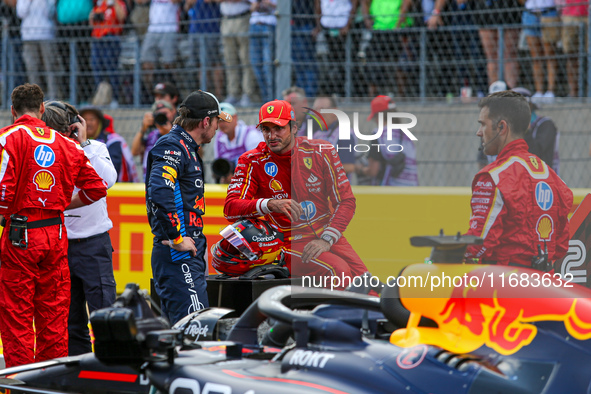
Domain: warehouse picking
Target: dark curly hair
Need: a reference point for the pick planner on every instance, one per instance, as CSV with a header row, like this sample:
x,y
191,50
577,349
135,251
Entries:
x,y
26,98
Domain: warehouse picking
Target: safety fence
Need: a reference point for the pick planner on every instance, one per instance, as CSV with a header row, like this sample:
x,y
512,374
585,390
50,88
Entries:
x,y
446,146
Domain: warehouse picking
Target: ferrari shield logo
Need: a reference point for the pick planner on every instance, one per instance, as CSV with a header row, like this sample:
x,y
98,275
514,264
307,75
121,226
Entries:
x,y
308,162
534,162
40,130
270,109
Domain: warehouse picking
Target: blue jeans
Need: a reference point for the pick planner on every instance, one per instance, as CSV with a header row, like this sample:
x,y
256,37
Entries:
x,y
303,54
261,50
104,61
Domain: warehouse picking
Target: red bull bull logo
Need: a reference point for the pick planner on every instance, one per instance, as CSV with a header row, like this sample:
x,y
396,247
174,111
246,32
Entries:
x,y
199,204
496,313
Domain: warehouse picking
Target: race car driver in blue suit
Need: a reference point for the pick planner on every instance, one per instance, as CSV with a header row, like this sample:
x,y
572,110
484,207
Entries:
x,y
175,204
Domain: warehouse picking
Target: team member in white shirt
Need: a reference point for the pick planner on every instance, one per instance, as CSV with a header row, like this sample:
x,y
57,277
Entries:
x,y
89,245
160,45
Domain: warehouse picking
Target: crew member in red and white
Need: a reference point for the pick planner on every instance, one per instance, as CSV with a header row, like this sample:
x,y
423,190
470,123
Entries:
x,y
518,202
39,169
300,186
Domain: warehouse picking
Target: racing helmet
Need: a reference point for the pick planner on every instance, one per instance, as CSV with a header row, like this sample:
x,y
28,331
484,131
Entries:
x,y
246,244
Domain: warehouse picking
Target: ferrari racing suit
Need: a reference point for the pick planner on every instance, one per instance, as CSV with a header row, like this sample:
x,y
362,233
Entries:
x,y
518,203
38,172
311,174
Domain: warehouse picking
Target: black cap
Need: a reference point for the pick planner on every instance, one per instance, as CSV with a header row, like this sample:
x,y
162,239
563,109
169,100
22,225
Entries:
x,y
166,88
203,104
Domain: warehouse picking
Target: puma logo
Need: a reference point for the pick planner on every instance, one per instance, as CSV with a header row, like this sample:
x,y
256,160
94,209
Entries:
x,y
41,201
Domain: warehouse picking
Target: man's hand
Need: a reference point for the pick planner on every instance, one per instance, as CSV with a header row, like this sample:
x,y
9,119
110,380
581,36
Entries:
x,y
314,249
434,22
79,128
290,208
147,121
316,31
188,245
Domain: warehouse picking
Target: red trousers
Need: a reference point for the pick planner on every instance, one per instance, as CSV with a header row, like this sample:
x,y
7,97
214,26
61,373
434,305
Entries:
x,y
341,260
34,289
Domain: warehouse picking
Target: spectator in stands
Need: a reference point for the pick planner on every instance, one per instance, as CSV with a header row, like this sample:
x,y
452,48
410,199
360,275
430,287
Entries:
x,y
387,45
107,18
39,48
541,43
149,133
466,42
332,27
345,148
236,137
155,124
204,27
140,16
234,27
262,30
541,136
302,46
443,75
100,127
387,165
573,14
8,12
488,15
296,96
72,16
160,46
168,92
90,252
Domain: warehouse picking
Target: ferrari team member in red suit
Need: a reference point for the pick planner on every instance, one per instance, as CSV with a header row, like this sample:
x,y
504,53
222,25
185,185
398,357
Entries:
x,y
300,186
38,171
518,201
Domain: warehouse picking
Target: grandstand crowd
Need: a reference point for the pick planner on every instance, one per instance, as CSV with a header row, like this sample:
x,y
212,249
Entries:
x,y
358,48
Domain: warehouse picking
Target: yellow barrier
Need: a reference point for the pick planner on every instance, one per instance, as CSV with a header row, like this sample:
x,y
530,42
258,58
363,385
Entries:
x,y
385,219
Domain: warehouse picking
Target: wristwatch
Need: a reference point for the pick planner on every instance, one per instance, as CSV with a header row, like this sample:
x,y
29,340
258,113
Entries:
x,y
85,143
327,238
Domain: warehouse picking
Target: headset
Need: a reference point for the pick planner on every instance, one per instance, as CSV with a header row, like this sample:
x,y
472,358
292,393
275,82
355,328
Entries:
x,y
500,127
72,116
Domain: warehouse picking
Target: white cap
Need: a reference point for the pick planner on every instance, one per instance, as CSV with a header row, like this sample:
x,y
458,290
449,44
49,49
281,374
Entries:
x,y
497,86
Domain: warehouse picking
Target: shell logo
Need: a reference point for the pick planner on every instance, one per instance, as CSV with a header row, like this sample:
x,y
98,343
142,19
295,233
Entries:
x,y
275,185
545,228
44,180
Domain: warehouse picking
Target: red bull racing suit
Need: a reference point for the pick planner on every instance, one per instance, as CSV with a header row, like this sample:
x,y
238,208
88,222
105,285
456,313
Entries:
x,y
518,203
175,203
313,175
38,171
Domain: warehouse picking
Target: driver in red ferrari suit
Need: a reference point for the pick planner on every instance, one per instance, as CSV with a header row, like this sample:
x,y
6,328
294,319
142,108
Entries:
x,y
518,201
300,186
38,171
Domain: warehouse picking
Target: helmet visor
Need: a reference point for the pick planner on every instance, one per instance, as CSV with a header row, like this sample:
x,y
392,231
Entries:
x,y
236,239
